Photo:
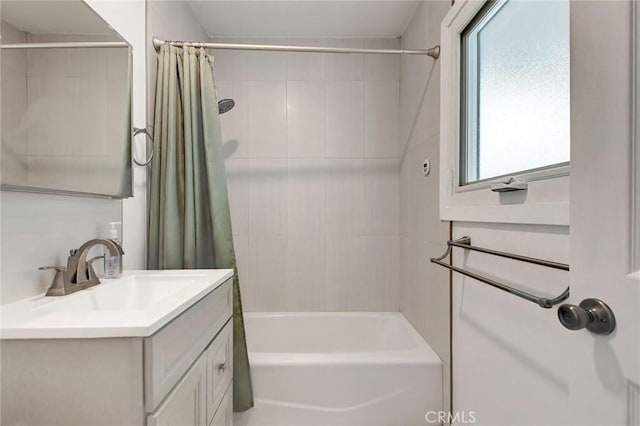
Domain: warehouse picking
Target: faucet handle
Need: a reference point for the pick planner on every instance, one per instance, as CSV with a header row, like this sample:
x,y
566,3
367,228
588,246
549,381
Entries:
x,y
57,287
57,268
73,252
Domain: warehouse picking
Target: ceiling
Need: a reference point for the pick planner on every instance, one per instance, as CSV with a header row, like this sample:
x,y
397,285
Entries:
x,y
53,17
304,19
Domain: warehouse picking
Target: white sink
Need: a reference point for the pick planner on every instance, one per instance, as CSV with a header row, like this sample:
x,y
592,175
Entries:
x,y
130,293
138,304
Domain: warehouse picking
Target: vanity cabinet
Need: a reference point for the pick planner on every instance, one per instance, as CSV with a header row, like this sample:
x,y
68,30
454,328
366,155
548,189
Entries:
x,y
185,405
180,375
199,397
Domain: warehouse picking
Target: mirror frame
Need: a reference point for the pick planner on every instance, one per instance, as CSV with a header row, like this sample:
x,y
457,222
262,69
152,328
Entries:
x,y
127,177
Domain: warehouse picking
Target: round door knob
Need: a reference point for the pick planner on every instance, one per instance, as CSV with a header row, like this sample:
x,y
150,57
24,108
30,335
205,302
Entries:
x,y
573,317
592,314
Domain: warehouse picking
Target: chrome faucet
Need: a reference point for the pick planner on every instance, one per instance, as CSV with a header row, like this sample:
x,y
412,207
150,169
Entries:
x,y
79,273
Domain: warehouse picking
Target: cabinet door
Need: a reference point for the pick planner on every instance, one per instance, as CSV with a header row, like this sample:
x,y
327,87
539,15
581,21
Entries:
x,y
186,404
219,368
224,415
169,352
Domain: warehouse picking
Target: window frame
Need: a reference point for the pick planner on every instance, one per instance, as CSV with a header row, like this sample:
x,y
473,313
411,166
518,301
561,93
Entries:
x,y
546,201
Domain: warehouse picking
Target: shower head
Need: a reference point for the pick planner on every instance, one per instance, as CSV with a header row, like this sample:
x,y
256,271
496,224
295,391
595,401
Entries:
x,y
225,105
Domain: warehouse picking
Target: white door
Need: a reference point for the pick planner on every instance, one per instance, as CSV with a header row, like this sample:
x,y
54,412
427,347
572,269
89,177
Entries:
x,y
605,209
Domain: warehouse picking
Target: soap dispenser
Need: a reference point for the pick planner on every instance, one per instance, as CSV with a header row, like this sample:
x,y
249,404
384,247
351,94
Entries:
x,y
113,264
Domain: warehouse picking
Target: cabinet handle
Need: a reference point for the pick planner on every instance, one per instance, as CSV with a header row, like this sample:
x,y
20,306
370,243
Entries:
x,y
222,367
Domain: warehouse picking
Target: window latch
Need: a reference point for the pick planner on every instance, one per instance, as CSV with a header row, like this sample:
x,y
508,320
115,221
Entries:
x,y
510,185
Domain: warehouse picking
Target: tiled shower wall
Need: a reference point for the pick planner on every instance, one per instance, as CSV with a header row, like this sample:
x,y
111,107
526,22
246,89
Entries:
x,y
312,155
424,286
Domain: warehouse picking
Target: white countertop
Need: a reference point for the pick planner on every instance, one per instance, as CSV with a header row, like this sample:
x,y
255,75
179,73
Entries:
x,y
136,305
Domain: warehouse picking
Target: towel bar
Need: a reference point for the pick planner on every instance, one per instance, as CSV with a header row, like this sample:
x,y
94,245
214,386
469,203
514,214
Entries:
x,y
465,243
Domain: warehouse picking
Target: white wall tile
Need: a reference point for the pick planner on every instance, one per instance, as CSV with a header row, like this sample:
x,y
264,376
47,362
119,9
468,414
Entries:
x,y
46,116
86,110
268,197
39,230
306,269
268,271
381,272
345,119
344,196
345,273
238,178
98,168
305,66
48,171
381,119
299,179
421,215
267,119
305,119
14,167
424,289
230,64
381,197
344,67
14,60
88,63
46,63
117,62
266,66
118,112
14,111
306,197
241,247
382,67
235,123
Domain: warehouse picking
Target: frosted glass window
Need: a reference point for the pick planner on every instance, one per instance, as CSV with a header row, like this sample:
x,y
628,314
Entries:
x,y
515,89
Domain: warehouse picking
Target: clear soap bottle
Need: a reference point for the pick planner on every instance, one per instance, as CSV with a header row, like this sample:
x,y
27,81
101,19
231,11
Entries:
x,y
113,264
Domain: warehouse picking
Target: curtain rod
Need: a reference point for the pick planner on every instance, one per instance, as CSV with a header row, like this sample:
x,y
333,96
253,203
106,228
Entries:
x,y
65,45
433,52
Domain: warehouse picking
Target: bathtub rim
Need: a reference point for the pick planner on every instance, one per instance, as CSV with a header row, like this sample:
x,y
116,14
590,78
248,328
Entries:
x,y
422,354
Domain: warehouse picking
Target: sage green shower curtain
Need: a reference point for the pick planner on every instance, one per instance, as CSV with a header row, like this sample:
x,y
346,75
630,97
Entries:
x,y
189,219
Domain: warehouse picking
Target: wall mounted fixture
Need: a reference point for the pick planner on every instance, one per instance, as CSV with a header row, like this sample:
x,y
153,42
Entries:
x,y
138,131
465,243
426,167
433,52
66,45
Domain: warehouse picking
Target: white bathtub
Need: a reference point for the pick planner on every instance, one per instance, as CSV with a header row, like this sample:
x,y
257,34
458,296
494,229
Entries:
x,y
349,369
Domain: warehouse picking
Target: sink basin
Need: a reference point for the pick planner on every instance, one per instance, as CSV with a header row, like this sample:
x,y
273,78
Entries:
x,y
138,304
131,293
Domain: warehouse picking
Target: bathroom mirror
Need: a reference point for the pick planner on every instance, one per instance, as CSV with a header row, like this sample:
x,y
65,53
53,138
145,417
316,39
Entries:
x,y
65,99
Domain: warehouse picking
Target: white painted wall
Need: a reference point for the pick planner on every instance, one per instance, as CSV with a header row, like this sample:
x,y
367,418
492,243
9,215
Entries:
x,y
509,355
39,229
424,287
128,18
312,160
511,359
168,20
